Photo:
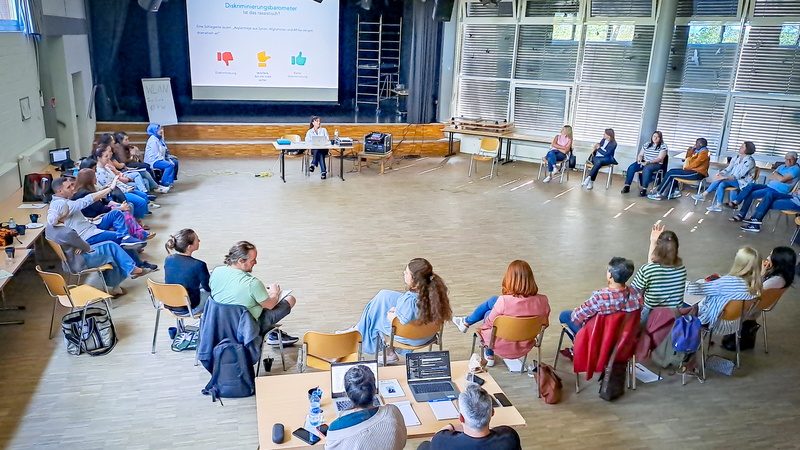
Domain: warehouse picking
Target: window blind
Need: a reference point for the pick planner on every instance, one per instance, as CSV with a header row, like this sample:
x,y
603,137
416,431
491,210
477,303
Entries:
x,y
622,8
551,8
619,62
707,8
541,58
765,66
686,116
502,9
487,50
699,66
776,8
606,107
538,109
482,99
772,127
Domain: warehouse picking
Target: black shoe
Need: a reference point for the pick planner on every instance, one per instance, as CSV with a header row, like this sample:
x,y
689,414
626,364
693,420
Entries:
x,y
643,193
311,168
147,265
272,338
626,189
323,175
151,197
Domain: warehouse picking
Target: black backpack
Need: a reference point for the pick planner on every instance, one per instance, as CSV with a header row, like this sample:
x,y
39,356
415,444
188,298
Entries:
x,y
747,340
231,376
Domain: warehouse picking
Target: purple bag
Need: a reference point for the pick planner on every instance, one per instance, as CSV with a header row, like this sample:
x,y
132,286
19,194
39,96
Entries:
x,y
133,228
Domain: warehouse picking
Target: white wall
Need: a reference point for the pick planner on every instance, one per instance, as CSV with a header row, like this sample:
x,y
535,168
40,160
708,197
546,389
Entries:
x,y
70,54
64,8
18,78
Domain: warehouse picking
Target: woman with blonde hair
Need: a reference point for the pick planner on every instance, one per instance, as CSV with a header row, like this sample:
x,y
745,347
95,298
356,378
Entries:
x,y
559,149
520,298
743,282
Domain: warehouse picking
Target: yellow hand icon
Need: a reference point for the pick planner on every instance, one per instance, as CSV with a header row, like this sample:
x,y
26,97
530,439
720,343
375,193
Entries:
x,y
262,59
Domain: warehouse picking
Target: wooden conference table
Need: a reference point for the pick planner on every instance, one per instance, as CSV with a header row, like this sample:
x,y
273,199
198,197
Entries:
x,y
305,146
509,136
284,399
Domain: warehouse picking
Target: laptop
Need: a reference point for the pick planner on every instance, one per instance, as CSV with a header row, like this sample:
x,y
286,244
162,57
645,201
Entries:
x,y
428,376
60,158
338,394
319,141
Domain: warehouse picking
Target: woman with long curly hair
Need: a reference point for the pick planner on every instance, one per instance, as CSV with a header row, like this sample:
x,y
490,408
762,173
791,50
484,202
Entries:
x,y
424,302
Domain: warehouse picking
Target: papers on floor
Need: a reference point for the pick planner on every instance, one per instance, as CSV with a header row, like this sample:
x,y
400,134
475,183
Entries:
x,y
5,274
391,389
444,410
644,374
409,416
514,365
32,205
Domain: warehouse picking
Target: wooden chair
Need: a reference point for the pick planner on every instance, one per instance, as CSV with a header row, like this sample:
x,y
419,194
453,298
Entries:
x,y
699,183
74,297
410,331
769,298
516,329
165,296
320,349
657,176
295,138
730,190
734,310
488,152
589,165
60,252
562,167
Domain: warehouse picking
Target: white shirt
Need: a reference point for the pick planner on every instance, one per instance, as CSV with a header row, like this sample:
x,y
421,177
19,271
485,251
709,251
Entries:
x,y
321,132
154,150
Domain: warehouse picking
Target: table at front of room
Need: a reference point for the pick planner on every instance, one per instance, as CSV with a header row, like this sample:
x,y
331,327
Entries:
x,y
19,258
305,146
284,399
507,136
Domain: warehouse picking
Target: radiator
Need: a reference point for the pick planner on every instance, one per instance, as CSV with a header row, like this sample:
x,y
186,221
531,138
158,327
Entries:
x,y
9,180
35,158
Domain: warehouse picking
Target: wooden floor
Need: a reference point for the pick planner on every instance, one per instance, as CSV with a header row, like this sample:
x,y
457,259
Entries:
x,y
336,244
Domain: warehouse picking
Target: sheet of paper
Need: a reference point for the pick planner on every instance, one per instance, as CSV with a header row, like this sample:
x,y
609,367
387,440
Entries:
x,y
5,274
514,365
409,416
32,205
644,374
391,389
444,410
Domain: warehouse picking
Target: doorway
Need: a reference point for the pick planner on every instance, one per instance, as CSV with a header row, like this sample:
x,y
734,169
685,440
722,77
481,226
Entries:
x,y
83,139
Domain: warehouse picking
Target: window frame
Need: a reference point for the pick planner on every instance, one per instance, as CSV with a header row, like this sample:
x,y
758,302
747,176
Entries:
x,y
12,25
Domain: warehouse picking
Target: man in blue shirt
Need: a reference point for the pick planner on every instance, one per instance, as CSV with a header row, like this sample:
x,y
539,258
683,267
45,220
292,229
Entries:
x,y
780,181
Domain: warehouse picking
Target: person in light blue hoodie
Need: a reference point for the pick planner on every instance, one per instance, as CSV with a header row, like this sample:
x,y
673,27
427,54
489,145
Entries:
x,y
157,155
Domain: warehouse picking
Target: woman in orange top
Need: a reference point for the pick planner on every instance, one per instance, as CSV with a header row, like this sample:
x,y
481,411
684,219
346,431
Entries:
x,y
695,168
520,298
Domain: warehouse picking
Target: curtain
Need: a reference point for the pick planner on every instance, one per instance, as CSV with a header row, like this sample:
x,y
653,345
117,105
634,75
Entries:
x,y
107,24
423,79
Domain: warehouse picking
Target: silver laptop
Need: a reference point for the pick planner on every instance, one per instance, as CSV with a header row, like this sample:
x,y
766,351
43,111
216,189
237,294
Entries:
x,y
429,376
338,394
319,141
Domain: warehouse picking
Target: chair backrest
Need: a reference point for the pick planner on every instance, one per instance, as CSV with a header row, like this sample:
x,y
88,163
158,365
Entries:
x,y
518,329
59,251
172,295
292,137
332,346
769,297
490,144
734,309
758,173
54,282
412,330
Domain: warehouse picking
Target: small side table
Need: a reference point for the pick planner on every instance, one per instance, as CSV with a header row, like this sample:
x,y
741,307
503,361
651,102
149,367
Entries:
x,y
382,158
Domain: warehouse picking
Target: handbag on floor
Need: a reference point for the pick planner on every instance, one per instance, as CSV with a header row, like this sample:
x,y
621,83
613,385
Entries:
x,y
613,384
746,341
96,337
36,187
185,340
550,389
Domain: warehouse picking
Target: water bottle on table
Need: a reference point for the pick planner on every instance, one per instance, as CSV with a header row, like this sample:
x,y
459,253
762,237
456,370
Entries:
x,y
314,412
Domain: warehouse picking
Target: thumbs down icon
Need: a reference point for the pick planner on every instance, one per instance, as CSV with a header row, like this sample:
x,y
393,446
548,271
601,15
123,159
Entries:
x,y
225,56
300,60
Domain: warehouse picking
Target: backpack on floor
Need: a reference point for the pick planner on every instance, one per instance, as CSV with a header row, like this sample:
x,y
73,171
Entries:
x,y
231,376
97,336
666,357
746,341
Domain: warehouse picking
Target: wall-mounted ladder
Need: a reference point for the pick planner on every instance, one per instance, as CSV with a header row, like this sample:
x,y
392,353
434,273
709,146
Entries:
x,y
377,62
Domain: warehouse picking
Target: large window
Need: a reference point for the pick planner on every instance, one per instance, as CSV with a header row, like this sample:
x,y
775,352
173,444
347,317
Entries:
x,y
9,17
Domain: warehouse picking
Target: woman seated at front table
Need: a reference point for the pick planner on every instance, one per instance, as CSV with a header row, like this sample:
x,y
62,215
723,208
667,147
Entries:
x,y
694,168
663,278
425,302
520,298
182,268
602,156
366,427
740,172
157,155
649,161
559,149
314,129
743,282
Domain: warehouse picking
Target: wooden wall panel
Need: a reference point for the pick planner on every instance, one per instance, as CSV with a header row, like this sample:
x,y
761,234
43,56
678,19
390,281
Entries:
x,y
205,150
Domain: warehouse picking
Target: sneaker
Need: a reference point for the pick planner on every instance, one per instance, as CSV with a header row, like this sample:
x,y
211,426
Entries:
x,y
752,221
752,228
489,359
147,265
675,194
153,205
131,242
643,193
546,179
585,181
654,196
714,208
162,189
698,197
272,338
461,323
589,185
311,169
151,197
391,358
626,189
323,175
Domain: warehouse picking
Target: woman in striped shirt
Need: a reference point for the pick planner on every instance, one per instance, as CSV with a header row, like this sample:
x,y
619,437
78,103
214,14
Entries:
x,y
742,283
650,160
663,278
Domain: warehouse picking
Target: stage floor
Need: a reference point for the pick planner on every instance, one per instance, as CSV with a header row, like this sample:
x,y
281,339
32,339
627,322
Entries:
x,y
337,244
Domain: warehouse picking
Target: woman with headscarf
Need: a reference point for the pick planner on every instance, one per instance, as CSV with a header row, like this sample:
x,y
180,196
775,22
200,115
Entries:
x,y
157,155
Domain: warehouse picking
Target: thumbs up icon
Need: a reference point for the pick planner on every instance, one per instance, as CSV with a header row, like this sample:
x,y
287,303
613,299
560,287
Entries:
x,y
300,60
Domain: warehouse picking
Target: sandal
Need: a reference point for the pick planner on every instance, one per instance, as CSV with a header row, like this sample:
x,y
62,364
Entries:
x,y
736,218
731,205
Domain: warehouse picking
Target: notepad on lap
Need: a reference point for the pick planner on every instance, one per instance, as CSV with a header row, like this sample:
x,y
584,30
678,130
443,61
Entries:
x,y
444,410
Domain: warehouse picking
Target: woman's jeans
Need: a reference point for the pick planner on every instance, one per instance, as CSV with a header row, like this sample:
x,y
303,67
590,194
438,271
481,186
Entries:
x,y
481,313
169,169
319,159
648,173
553,157
566,318
139,202
598,162
138,182
720,186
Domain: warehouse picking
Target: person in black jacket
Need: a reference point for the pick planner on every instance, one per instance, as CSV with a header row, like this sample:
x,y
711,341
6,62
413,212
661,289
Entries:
x,y
603,155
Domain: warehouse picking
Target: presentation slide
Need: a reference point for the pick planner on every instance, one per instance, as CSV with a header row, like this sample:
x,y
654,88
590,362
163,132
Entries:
x,y
278,50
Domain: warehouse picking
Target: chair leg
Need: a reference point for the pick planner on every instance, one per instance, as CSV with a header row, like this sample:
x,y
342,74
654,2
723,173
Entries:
x,y
633,372
610,174
558,349
539,370
738,334
472,350
577,383
471,162
524,360
583,176
776,223
52,318
702,355
764,319
539,174
491,171
155,331
280,345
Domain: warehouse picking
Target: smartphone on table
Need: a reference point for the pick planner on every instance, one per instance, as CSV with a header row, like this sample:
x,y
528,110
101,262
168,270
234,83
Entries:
x,y
502,399
306,436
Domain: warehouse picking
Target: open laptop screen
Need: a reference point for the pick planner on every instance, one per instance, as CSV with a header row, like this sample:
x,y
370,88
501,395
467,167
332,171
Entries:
x,y
428,366
339,370
59,155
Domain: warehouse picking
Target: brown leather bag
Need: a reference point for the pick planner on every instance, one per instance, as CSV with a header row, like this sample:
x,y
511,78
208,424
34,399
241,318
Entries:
x,y
550,389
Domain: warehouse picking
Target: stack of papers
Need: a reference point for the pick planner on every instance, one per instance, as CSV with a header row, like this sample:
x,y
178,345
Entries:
x,y
444,410
409,416
645,375
391,389
514,365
